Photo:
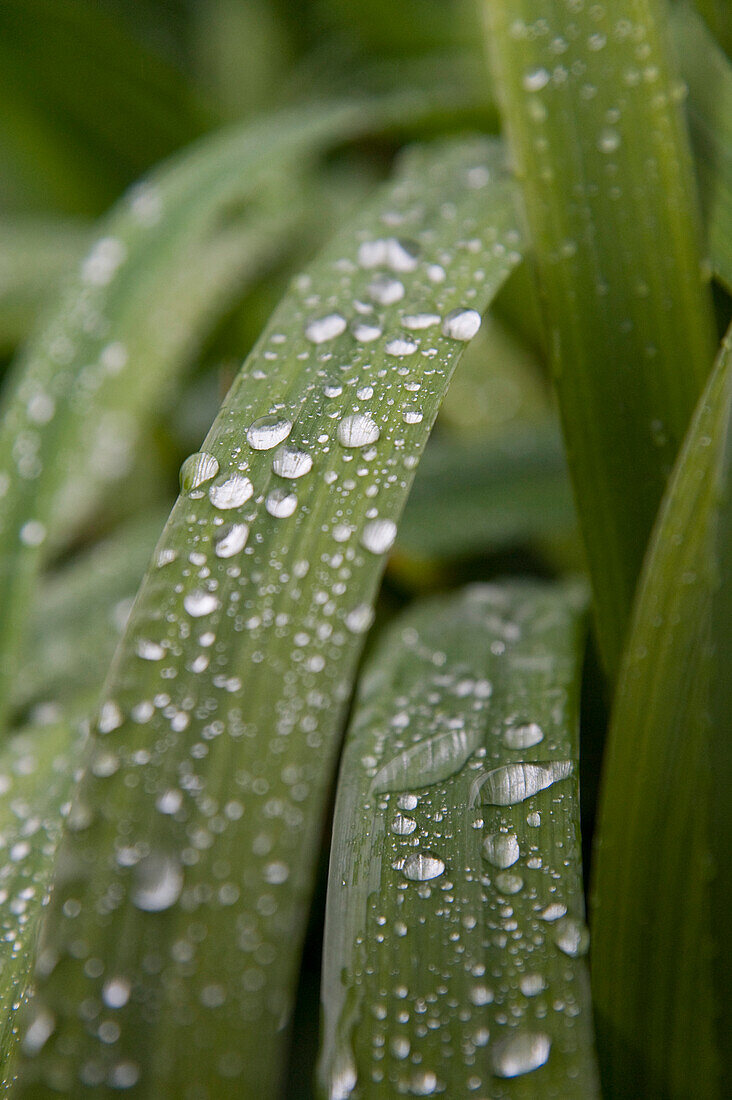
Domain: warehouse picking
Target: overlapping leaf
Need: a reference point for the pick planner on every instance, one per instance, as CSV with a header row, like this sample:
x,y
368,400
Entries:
x,y
204,796
455,912
598,137
661,912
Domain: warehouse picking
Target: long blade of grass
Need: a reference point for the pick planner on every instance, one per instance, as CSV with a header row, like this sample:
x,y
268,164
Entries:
x,y
456,834
598,137
708,74
660,923
133,316
206,786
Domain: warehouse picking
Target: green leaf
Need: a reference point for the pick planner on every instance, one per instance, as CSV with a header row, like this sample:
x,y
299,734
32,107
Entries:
x,y
165,265
34,254
36,777
207,783
708,73
598,137
479,496
660,909
456,833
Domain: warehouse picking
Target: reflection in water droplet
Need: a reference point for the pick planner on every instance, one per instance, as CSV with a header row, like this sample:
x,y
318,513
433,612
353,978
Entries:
x,y
357,431
378,535
280,503
158,882
523,737
521,1053
232,493
325,328
231,540
266,432
291,463
461,324
421,866
200,603
571,936
517,782
501,849
196,469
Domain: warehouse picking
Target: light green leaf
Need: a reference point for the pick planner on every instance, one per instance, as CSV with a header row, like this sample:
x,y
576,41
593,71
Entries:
x,y
660,923
456,833
597,133
207,783
165,265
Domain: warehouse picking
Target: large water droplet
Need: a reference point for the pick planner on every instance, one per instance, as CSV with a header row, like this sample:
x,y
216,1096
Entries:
x,y
517,782
521,1053
291,463
231,540
158,882
501,849
196,469
421,866
325,328
461,324
280,503
417,321
523,737
402,825
400,346
358,430
266,432
571,936
232,493
365,333
378,535
200,603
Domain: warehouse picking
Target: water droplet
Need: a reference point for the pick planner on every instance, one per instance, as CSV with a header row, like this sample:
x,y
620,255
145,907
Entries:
x,y
158,882
553,911
385,290
232,493
200,603
196,469
124,1075
521,1053
523,737
32,533
280,503
421,866
149,650
481,995
535,80
608,141
170,801
400,347
417,321
412,416
378,535
39,1031
407,801
461,324
365,333
116,992
531,984
403,826
357,431
388,252
423,1082
517,782
501,849
231,540
571,936
291,463
508,883
325,328
359,619
266,432
110,717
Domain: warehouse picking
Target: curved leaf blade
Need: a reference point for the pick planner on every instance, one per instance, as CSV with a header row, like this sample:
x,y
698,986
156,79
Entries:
x,y
434,873
219,729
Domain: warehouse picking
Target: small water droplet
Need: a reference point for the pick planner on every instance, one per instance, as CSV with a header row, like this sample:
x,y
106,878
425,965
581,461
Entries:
x,y
461,324
531,984
608,141
158,882
501,849
325,328
421,866
365,333
412,416
292,463
357,431
571,936
280,503
423,1082
116,992
403,826
149,650
523,737
508,883
535,80
359,619
231,493
124,1075
385,290
378,535
200,603
231,540
521,1053
197,469
266,432
407,801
